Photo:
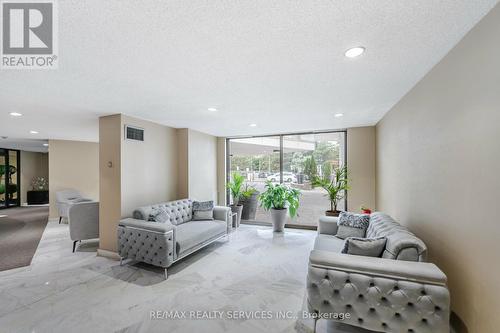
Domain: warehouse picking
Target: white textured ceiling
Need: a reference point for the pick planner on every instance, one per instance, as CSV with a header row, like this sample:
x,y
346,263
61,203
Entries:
x,y
279,64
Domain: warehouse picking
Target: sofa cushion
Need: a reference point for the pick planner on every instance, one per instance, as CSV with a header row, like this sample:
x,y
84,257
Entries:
x,y
401,243
353,220
180,211
191,234
203,210
159,215
369,247
344,232
328,243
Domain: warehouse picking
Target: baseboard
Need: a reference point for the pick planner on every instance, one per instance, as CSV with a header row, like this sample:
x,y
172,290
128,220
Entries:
x,y
108,254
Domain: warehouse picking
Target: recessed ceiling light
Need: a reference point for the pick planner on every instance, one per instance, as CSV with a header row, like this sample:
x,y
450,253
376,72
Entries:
x,y
355,52
16,114
253,125
338,115
212,109
45,144
33,132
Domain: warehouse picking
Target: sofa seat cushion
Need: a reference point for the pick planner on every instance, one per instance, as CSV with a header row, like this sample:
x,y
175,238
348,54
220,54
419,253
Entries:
x,y
328,243
191,234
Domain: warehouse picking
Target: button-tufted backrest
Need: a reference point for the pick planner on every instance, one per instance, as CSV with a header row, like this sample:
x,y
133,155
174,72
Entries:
x,y
180,211
401,244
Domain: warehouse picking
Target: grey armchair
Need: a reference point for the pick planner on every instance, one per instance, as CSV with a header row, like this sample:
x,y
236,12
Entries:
x,y
65,198
83,220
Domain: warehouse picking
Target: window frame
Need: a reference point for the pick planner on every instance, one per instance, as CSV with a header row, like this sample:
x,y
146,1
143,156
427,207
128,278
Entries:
x,y
281,136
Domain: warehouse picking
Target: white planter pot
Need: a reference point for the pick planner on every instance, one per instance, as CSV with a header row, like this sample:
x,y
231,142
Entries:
x,y
278,216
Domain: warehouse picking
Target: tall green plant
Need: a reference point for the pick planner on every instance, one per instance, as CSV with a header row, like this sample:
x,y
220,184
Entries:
x,y
235,186
280,196
336,188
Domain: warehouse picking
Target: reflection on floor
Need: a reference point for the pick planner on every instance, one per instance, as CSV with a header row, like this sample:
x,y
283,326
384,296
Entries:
x,y
65,292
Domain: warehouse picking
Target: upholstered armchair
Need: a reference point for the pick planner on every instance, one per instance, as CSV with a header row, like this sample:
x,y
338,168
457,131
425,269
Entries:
x,y
83,218
64,200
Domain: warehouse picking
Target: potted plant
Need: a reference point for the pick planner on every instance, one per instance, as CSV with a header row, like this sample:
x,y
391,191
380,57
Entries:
x,y
235,186
279,199
365,210
336,188
249,201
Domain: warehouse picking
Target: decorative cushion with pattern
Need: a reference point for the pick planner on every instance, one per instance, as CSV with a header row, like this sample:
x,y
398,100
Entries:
x,y
352,225
203,210
369,247
159,215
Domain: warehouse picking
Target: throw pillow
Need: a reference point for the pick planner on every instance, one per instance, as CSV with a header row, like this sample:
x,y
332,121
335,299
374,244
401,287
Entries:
x,y
203,210
344,232
159,215
369,247
352,225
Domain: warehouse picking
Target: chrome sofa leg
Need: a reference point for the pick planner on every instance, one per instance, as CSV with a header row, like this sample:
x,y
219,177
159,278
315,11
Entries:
x,y
315,323
166,274
121,261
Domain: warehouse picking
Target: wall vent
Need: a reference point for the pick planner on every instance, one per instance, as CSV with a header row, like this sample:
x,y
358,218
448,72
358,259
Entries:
x,y
134,133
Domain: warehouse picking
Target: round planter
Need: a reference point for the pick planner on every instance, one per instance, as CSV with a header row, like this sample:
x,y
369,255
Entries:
x,y
278,216
332,213
237,209
249,207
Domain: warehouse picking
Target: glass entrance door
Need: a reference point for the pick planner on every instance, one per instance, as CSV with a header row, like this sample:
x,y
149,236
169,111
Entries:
x,y
9,178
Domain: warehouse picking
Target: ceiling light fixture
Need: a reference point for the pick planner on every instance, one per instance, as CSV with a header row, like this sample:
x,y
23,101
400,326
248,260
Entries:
x,y
16,114
45,144
355,52
338,115
253,125
212,109
33,132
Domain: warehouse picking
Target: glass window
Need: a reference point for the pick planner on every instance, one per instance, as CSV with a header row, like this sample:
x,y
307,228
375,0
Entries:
x,y
304,157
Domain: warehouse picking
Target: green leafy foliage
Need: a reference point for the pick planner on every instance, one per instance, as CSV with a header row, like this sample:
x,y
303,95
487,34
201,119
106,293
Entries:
x,y
310,167
279,196
235,186
248,191
336,188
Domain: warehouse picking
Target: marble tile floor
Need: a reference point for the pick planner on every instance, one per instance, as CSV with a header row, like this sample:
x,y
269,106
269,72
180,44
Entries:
x,y
79,292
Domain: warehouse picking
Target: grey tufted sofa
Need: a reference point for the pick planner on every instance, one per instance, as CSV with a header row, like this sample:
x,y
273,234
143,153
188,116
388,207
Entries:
x,y
162,244
396,293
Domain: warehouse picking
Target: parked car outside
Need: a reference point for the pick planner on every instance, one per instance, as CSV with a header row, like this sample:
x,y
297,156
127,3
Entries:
x,y
288,177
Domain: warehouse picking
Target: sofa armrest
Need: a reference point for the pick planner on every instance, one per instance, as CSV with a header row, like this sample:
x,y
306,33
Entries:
x,y
328,225
149,242
397,296
222,213
378,267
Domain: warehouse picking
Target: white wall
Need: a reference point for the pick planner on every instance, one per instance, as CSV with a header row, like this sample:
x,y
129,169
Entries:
x,y
202,154
438,157
361,166
73,165
33,164
148,168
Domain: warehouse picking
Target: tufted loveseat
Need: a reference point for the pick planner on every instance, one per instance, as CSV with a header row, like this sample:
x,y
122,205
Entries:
x,y
162,244
399,292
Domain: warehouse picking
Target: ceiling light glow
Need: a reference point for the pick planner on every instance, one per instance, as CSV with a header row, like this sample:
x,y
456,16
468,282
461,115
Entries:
x,y
338,115
355,52
16,114
212,109
253,125
33,132
45,144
